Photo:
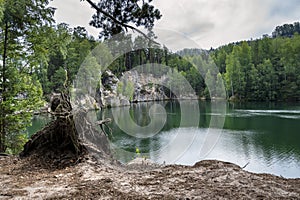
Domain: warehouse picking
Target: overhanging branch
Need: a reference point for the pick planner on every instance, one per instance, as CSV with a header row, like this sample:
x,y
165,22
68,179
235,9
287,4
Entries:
x,y
118,22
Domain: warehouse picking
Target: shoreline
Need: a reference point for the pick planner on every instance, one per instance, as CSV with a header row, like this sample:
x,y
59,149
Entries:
x,y
46,108
26,179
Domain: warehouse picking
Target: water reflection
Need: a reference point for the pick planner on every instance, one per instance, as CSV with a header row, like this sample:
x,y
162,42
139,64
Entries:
x,y
37,123
255,133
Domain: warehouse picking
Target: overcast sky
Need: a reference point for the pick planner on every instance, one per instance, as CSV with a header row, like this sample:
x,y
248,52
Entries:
x,y
199,23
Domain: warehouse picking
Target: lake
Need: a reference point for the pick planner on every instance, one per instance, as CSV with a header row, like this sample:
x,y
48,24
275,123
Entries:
x,y
263,137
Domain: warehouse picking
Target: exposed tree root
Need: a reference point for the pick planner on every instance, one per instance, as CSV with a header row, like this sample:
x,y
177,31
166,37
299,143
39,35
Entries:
x,y
61,143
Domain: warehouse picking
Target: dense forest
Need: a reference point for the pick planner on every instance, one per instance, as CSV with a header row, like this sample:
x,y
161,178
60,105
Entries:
x,y
264,69
39,57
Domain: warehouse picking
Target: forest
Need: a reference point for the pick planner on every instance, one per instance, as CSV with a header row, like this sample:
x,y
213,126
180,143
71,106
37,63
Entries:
x,y
264,69
39,57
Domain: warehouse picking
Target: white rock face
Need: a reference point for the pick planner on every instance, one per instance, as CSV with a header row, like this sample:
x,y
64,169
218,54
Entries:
x,y
133,87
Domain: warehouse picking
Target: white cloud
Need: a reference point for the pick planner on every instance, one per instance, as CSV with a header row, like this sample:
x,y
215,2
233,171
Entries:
x,y
212,23
75,13
209,23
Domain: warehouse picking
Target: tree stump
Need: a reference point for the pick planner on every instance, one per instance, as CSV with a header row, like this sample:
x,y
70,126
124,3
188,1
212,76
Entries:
x,y
59,142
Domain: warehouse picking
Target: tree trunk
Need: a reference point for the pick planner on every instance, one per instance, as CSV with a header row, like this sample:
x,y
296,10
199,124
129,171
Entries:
x,y
2,92
232,91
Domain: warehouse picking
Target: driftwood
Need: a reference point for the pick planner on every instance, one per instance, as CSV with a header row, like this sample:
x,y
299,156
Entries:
x,y
245,165
105,122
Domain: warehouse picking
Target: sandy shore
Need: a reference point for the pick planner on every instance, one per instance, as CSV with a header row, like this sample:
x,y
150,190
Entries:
x,y
26,179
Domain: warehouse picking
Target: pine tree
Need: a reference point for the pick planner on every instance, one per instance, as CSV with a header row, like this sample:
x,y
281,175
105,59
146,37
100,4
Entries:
x,y
22,50
113,17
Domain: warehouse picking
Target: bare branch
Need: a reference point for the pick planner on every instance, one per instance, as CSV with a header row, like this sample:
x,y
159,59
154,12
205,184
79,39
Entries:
x,y
104,122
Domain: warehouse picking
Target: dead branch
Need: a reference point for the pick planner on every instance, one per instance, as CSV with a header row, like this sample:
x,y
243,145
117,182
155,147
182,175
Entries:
x,y
245,165
105,122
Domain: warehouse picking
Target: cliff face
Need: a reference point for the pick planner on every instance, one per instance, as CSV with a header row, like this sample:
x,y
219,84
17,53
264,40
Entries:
x,y
132,87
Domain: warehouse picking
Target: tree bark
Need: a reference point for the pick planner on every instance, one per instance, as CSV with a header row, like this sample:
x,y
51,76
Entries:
x,y
3,90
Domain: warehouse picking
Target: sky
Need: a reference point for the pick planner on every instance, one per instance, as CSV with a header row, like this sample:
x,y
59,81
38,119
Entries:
x,y
199,23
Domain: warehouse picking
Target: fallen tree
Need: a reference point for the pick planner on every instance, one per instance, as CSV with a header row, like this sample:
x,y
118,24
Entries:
x,y
62,142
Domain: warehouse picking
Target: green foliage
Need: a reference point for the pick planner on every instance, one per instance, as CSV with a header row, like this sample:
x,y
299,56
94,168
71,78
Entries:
x,y
210,82
139,13
195,79
128,90
220,87
22,51
58,80
219,58
2,8
120,87
15,142
38,57
70,48
286,30
88,77
266,69
177,83
137,151
22,98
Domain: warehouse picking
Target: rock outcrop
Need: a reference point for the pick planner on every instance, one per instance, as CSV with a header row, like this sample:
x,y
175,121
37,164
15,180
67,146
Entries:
x,y
132,87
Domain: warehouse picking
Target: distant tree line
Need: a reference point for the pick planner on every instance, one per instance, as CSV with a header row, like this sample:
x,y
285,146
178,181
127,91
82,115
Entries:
x,y
267,69
286,30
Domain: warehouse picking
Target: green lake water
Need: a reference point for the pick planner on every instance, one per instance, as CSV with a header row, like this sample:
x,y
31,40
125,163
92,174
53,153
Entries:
x,y
264,135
